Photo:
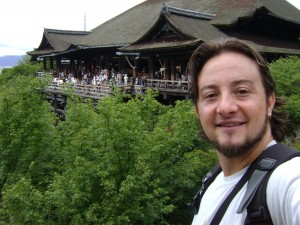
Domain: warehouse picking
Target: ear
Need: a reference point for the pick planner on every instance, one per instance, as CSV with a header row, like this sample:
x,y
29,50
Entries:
x,y
271,103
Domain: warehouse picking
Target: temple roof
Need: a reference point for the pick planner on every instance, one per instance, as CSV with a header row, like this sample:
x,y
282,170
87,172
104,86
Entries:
x,y
55,41
195,20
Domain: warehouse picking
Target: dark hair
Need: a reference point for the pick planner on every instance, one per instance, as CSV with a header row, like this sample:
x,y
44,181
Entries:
x,y
208,50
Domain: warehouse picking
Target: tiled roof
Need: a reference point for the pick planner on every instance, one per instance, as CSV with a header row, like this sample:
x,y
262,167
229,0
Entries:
x,y
65,32
185,25
55,41
189,13
200,19
229,12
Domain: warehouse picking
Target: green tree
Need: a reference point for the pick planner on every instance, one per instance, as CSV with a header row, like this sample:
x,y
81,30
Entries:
x,y
122,160
25,67
286,73
29,147
176,159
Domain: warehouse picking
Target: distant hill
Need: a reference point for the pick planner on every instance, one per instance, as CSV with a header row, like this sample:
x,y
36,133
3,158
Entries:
x,y
9,60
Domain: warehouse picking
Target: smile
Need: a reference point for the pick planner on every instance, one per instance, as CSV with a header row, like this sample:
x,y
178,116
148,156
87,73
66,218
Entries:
x,y
229,124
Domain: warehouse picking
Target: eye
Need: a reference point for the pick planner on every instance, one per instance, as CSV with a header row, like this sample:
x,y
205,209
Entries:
x,y
243,92
210,96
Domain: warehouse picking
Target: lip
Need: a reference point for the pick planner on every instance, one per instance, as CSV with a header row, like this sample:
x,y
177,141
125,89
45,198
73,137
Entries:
x,y
230,124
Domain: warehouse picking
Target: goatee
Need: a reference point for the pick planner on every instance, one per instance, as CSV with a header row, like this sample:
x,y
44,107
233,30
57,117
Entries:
x,y
236,150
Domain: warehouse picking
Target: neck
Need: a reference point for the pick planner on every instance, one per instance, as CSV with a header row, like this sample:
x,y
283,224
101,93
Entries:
x,y
233,165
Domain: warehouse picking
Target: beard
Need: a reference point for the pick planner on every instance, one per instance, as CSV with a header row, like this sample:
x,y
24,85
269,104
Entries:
x,y
236,150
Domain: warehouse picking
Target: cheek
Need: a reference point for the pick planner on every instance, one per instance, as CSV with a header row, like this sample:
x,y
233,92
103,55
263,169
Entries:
x,y
205,114
256,111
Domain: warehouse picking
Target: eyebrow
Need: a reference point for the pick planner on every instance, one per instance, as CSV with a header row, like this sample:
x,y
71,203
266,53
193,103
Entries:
x,y
234,83
212,86
243,81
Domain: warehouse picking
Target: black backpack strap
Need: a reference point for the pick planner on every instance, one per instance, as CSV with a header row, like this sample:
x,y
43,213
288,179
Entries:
x,y
263,168
255,197
206,181
222,209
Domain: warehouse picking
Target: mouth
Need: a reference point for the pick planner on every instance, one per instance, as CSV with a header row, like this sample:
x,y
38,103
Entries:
x,y
230,124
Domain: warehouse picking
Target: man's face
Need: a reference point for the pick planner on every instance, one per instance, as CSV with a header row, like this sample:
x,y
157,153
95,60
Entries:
x,y
232,105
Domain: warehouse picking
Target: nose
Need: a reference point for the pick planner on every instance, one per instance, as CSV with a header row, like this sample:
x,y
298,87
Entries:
x,y
227,105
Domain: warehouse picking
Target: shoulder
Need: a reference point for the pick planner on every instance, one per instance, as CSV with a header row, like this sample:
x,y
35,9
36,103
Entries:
x,y
287,170
283,190
285,175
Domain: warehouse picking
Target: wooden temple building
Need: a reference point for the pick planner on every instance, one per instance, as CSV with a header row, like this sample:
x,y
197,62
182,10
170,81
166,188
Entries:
x,y
159,36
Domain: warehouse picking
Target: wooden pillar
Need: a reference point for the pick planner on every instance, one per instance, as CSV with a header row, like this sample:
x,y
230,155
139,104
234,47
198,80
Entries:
x,y
57,64
172,69
134,70
136,64
167,70
51,64
86,65
151,71
108,63
98,63
77,66
72,65
182,66
122,65
45,64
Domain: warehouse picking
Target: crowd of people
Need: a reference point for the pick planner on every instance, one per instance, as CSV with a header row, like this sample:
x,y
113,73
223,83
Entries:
x,y
106,77
102,77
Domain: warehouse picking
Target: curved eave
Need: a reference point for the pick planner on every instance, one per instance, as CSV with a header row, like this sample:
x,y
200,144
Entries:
x,y
156,24
176,27
53,53
103,46
275,50
161,46
282,18
220,23
40,52
44,39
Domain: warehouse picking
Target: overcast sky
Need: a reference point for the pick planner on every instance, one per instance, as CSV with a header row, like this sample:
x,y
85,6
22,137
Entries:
x,y
22,22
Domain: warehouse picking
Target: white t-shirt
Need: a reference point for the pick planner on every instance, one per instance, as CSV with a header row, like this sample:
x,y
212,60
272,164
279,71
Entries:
x,y
283,197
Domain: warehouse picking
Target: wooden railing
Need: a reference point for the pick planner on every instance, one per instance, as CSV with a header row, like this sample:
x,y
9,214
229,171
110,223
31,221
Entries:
x,y
99,91
93,91
168,85
43,73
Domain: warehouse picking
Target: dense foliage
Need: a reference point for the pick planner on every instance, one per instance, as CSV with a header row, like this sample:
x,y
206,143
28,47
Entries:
x,y
286,73
128,160
25,67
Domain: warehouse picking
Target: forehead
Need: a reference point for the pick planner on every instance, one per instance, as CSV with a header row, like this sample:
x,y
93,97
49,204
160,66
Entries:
x,y
229,66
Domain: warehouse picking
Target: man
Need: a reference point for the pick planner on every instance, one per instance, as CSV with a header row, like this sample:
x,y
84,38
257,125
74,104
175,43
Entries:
x,y
234,97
